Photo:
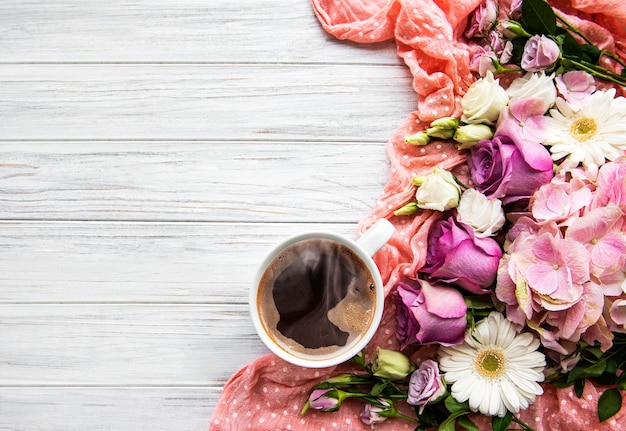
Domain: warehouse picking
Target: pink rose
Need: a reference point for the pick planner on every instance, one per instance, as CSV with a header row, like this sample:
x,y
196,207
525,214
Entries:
x,y
456,255
429,314
540,52
426,385
511,171
483,19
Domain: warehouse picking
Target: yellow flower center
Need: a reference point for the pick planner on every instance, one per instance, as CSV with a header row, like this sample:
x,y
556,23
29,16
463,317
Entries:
x,y
490,363
584,128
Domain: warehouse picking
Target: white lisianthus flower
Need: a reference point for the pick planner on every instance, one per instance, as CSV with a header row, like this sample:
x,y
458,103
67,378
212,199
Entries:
x,y
483,101
537,85
484,215
495,368
437,191
590,135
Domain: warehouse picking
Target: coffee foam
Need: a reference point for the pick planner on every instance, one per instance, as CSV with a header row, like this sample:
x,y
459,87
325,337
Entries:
x,y
353,314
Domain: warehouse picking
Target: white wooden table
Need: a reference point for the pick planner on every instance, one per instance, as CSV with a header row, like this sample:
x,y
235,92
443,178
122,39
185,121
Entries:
x,y
151,151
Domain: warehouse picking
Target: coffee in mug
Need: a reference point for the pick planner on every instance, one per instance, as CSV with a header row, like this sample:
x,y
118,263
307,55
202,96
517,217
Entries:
x,y
319,296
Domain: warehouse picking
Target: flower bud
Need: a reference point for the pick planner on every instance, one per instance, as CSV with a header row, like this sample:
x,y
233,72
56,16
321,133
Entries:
x,y
325,400
391,365
408,209
469,135
436,132
445,123
375,414
419,138
511,29
437,191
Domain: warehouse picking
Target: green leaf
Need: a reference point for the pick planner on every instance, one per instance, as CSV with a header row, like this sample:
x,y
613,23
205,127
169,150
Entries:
x,y
579,387
378,388
538,17
454,406
450,423
467,423
587,370
593,52
620,383
501,424
606,379
609,404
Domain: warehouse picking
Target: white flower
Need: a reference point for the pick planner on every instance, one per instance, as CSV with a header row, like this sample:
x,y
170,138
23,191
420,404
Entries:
x,y
595,132
484,215
437,191
483,101
537,85
495,368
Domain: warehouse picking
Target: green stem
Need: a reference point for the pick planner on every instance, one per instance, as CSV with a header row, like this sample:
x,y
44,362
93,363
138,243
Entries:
x,y
523,424
603,74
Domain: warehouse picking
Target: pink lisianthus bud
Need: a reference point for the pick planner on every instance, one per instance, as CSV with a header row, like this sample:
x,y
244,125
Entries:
x,y
540,53
326,400
456,255
426,385
575,87
429,314
375,414
483,61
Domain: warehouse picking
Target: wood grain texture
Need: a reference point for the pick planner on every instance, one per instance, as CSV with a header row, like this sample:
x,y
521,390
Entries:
x,y
151,152
147,262
201,181
217,102
191,31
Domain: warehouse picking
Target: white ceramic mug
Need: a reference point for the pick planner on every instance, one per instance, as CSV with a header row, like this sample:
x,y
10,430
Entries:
x,y
363,248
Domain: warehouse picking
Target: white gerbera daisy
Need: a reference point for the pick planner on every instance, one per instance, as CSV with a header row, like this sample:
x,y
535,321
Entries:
x,y
595,132
495,368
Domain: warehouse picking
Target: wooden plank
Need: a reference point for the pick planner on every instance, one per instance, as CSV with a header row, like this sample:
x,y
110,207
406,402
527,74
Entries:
x,y
68,408
199,181
245,31
124,345
83,262
206,102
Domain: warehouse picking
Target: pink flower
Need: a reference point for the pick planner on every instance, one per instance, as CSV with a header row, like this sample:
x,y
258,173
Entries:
x,y
600,233
560,201
611,185
482,61
373,414
483,19
429,314
426,385
508,170
516,9
456,255
325,400
523,122
540,52
575,87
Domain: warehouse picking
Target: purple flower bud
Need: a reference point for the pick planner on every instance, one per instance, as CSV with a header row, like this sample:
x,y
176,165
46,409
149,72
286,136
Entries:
x,y
540,52
325,400
373,415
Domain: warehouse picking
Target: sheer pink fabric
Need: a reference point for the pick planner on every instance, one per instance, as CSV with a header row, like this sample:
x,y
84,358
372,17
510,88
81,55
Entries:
x,y
269,393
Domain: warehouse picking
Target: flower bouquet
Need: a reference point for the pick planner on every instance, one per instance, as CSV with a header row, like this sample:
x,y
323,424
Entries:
x,y
524,280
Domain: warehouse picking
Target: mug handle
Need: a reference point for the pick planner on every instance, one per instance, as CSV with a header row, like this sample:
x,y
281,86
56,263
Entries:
x,y
376,236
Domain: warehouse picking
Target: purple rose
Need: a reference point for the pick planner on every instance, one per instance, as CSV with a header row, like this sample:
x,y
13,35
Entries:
x,y
429,314
507,170
540,52
456,255
325,400
426,384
